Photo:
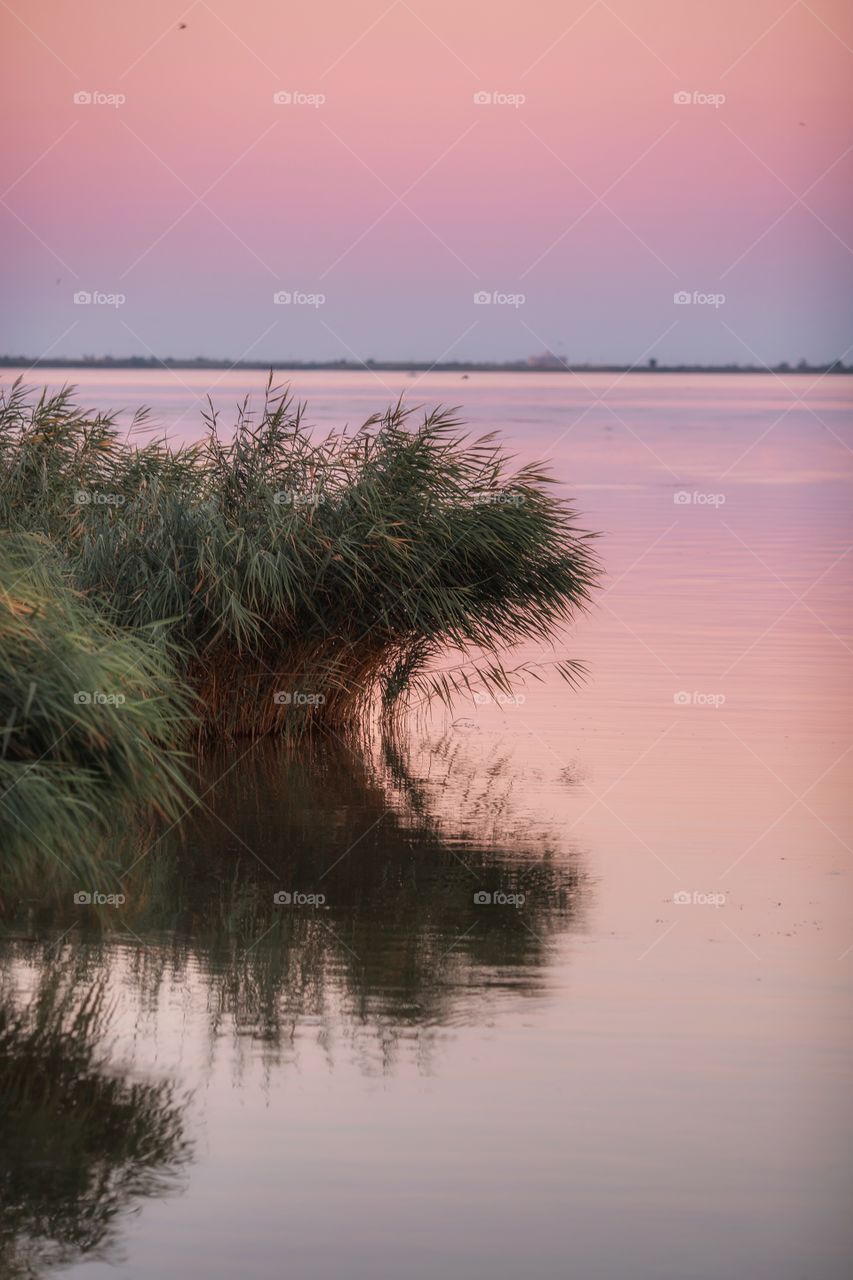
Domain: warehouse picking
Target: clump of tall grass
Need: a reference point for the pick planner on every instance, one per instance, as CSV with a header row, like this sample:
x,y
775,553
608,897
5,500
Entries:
x,y
300,576
90,720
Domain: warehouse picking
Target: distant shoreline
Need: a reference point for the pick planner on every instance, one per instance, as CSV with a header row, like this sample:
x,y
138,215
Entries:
x,y
406,366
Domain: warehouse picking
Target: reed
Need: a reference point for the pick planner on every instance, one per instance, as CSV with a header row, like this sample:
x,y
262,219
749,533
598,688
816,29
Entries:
x,y
304,579
90,721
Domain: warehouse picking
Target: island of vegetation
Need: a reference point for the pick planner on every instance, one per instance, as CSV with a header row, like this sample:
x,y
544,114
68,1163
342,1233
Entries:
x,y
264,581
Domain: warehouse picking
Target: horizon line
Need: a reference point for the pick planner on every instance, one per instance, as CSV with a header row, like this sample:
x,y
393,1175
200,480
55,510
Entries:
x,y
540,364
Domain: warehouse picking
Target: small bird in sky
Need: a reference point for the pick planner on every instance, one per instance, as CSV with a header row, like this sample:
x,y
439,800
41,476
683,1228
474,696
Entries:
x,y
182,26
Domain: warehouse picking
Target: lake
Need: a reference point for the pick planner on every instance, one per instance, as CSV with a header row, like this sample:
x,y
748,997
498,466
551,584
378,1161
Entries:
x,y
553,987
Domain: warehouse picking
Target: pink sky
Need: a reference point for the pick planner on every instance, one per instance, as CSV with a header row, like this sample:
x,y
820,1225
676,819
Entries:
x,y
596,198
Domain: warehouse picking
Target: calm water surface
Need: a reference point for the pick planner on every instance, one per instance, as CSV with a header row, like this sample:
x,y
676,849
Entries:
x,y
638,1064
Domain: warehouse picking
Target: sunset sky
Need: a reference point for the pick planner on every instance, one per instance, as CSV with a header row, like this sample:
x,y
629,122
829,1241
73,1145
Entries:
x,y
383,197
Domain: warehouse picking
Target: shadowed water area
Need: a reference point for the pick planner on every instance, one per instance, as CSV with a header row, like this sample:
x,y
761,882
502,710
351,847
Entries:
x,y
365,950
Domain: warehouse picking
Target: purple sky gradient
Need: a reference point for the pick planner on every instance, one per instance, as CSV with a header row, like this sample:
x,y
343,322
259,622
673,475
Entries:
x,y
585,193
